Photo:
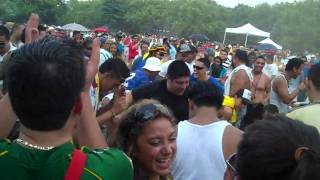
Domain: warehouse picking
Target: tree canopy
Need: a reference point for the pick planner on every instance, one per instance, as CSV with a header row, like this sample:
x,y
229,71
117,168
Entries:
x,y
293,25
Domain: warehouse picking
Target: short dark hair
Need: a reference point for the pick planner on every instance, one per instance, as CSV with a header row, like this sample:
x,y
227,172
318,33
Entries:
x,y
144,41
205,61
267,150
260,57
205,94
4,32
87,42
116,67
42,27
178,69
193,49
271,109
44,81
314,74
242,56
224,50
294,63
75,33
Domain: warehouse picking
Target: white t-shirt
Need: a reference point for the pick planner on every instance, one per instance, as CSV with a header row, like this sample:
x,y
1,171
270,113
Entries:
x,y
227,85
164,68
104,56
271,70
12,48
199,151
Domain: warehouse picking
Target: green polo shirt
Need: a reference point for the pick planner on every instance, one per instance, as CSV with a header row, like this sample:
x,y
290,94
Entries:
x,y
19,162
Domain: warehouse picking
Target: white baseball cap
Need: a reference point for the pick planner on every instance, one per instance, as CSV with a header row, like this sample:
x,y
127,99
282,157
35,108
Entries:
x,y
152,64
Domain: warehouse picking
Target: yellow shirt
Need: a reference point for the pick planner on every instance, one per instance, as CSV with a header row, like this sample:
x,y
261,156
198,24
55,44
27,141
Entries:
x,y
230,102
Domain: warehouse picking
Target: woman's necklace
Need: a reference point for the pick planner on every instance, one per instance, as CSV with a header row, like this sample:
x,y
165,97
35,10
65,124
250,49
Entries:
x,y
32,146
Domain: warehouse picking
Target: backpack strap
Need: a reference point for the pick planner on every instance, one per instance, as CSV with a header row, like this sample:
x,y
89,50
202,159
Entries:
x,y
76,165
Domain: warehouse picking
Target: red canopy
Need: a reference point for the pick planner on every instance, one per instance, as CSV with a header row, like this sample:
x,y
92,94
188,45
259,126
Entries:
x,y
100,30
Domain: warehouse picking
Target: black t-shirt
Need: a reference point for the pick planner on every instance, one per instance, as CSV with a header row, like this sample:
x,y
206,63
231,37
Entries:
x,y
158,90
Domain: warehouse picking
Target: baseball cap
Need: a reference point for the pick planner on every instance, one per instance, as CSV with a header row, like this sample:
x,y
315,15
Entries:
x,y
152,64
184,48
103,40
157,47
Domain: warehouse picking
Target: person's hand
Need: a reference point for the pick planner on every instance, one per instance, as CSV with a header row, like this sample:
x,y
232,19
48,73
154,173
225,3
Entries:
x,y
93,63
31,31
302,86
119,101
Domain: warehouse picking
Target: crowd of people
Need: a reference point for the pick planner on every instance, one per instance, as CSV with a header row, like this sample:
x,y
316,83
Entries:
x,y
153,108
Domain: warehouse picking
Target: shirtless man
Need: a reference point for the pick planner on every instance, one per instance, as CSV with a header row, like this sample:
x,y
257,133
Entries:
x,y
261,84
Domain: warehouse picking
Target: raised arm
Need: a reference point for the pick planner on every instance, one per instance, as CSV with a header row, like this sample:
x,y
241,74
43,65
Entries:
x,y
89,133
7,116
281,87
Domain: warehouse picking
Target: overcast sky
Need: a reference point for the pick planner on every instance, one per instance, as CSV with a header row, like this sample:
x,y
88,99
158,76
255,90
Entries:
x,y
233,3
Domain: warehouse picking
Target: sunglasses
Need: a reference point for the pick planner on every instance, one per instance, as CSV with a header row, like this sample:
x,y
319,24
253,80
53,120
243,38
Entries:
x,y
231,163
161,54
197,67
149,111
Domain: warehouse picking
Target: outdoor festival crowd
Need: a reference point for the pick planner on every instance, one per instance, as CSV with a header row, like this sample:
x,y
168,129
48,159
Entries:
x,y
147,107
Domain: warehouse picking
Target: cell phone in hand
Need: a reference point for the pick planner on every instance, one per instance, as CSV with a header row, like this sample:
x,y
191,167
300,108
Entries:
x,y
122,89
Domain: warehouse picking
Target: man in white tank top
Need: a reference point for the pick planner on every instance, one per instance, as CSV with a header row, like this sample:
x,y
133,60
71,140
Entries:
x,y
280,95
204,142
240,77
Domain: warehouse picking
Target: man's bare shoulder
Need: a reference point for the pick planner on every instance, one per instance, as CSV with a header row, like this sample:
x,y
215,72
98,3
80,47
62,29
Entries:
x,y
240,74
265,77
233,131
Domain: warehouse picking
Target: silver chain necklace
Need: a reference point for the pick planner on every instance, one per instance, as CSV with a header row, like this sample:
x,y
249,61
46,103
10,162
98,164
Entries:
x,y
32,146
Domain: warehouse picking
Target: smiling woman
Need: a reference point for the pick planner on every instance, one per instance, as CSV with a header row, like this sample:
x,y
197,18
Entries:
x,y
147,134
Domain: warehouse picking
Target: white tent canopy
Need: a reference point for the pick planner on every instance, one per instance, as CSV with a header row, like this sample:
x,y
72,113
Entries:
x,y
248,30
269,41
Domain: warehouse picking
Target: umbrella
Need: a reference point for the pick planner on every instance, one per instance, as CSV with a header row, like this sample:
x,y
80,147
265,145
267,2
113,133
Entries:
x,y
100,30
199,37
266,47
74,27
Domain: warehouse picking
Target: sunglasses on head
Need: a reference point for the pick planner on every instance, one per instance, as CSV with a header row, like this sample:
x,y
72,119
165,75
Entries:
x,y
231,163
197,67
149,111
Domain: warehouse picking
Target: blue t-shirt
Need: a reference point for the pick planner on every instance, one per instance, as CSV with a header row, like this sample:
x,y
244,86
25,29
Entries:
x,y
120,48
138,63
211,80
139,78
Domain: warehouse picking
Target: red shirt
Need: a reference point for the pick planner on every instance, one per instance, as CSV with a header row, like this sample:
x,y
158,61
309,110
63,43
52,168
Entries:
x,y
133,51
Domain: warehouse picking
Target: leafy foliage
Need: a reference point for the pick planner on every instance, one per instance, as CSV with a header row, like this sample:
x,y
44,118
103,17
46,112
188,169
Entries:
x,y
293,25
